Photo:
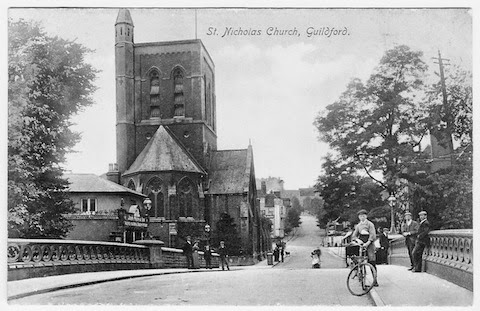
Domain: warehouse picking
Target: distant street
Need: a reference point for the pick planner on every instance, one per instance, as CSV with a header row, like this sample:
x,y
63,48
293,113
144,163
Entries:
x,y
292,282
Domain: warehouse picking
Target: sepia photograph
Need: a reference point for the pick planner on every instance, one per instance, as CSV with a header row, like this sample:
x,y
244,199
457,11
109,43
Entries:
x,y
239,156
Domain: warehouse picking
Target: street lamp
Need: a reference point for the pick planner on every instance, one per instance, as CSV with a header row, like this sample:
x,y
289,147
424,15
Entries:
x,y
391,201
148,205
207,232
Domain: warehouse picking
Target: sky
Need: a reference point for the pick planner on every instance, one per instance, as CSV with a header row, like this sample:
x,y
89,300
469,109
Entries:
x,y
269,88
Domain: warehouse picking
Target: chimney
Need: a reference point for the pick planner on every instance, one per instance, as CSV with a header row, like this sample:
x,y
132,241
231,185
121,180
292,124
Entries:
x,y
113,174
264,187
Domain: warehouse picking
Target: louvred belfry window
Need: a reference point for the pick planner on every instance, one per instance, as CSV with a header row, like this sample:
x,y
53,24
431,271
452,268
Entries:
x,y
179,99
154,95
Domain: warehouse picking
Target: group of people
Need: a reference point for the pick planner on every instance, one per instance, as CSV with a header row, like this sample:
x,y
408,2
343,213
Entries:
x,y
416,239
190,250
279,251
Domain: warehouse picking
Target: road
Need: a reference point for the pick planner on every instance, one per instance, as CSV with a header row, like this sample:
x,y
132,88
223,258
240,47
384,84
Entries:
x,y
292,282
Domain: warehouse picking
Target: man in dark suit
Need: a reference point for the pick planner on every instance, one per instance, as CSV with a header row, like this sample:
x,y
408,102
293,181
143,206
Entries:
x,y
422,241
222,251
188,252
384,243
409,231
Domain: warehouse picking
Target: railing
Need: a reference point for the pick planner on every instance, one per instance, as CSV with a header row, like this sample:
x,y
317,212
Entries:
x,y
28,258
452,248
450,255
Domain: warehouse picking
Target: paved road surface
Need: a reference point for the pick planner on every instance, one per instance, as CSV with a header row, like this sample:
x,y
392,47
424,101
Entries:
x,y
306,239
292,282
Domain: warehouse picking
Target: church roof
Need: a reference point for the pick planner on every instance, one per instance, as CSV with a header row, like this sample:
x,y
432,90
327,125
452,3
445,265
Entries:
x,y
230,171
164,153
94,183
124,17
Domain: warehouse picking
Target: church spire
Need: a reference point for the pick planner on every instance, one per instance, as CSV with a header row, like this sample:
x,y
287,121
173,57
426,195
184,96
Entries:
x,y
124,17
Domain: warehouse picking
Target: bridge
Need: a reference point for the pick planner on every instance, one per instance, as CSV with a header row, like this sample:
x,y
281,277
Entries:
x,y
83,272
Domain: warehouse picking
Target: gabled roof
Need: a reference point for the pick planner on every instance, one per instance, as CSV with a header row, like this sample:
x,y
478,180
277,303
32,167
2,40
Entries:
x,y
164,153
230,171
94,183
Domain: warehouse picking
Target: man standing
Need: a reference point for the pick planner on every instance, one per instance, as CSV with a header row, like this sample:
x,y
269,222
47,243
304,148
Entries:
x,y
422,241
365,231
222,251
409,230
383,246
188,252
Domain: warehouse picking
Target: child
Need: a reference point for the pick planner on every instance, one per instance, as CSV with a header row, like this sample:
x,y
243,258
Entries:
x,y
316,258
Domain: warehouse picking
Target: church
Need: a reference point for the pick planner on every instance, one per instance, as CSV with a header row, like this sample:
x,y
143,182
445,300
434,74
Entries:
x,y
166,140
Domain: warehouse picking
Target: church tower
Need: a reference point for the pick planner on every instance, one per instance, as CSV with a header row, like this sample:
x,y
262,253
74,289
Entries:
x,y
124,77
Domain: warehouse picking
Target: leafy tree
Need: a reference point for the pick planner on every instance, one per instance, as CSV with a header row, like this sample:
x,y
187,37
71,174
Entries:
x,y
375,126
446,195
49,82
226,230
292,220
344,192
316,204
296,204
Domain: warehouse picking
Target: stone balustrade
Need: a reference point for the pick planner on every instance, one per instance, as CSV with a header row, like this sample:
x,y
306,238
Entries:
x,y
29,258
450,255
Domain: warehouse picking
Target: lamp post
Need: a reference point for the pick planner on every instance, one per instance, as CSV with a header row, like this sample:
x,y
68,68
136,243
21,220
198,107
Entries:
x,y
207,232
391,201
148,205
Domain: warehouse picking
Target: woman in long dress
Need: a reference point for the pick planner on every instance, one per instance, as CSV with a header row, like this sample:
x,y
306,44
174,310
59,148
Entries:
x,y
196,261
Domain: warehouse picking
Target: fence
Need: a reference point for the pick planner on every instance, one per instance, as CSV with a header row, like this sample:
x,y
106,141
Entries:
x,y
29,258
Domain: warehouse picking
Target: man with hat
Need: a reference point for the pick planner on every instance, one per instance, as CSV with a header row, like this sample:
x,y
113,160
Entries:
x,y
365,231
421,242
409,230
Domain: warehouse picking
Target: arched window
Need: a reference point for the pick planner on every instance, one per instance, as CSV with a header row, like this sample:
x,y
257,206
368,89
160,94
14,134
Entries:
x,y
187,198
155,191
154,94
179,99
131,185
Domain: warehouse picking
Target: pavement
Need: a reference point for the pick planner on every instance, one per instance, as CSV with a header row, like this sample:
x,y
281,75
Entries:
x,y
400,287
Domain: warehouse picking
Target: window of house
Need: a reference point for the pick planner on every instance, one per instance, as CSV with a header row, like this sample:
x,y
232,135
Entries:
x,y
154,94
178,96
89,206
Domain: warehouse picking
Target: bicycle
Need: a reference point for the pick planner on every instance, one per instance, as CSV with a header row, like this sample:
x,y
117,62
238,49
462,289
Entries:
x,y
362,276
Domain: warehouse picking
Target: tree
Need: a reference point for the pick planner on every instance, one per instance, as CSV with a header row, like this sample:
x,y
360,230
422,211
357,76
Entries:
x,y
292,220
49,82
344,192
226,230
296,204
375,126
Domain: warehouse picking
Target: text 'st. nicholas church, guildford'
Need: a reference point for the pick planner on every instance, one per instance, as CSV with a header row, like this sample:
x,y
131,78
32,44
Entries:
x,y
167,141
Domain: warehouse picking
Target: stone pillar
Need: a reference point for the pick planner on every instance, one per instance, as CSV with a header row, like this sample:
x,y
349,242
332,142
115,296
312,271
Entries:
x,y
155,249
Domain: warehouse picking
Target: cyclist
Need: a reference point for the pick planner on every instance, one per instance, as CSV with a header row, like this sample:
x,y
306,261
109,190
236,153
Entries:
x,y
364,234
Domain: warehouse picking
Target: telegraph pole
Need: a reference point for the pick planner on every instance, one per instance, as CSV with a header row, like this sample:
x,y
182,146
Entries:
x,y
440,62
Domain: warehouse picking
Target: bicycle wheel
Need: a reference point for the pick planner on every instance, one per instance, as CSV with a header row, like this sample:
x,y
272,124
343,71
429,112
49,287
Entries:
x,y
369,276
361,279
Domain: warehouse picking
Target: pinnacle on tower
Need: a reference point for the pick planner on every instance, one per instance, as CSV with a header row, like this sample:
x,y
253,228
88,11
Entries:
x,y
124,17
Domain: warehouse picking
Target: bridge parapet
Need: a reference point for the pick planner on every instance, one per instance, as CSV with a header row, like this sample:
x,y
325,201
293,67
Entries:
x,y
40,257
29,258
450,255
